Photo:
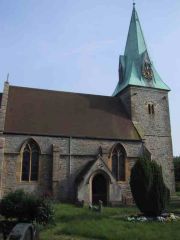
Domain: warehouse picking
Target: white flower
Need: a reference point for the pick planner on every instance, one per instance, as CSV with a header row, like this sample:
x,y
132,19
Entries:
x,y
161,219
142,219
172,216
130,219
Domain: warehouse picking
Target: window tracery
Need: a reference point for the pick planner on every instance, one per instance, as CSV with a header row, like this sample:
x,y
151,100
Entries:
x,y
118,163
30,161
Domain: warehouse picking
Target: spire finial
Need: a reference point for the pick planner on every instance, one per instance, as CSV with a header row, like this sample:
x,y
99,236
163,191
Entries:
x,y
7,80
134,4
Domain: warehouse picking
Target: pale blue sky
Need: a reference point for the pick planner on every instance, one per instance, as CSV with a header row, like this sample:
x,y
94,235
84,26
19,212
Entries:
x,y
74,46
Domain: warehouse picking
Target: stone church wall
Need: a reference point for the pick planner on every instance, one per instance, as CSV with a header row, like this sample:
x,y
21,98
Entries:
x,y
154,128
61,160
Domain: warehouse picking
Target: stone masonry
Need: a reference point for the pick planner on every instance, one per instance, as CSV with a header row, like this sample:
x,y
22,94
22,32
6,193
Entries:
x,y
155,128
61,160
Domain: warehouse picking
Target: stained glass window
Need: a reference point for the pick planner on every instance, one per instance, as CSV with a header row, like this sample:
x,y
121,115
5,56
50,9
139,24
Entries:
x,y
118,163
26,164
30,162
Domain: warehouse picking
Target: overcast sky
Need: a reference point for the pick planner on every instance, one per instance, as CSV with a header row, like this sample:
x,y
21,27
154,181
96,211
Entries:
x,y
74,46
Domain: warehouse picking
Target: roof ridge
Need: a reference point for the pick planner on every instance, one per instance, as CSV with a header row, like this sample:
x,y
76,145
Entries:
x,y
51,90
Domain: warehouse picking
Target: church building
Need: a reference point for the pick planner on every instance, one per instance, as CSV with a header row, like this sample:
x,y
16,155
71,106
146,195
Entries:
x,y
81,147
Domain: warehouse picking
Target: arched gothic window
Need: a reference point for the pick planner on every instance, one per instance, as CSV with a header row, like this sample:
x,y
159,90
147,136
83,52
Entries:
x,y
30,161
118,162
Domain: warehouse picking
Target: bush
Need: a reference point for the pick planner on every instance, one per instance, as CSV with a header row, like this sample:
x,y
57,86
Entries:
x,y
147,186
177,185
45,213
26,207
177,168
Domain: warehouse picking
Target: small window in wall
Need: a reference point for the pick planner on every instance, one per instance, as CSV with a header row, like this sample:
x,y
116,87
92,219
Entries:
x,y
30,161
118,162
151,109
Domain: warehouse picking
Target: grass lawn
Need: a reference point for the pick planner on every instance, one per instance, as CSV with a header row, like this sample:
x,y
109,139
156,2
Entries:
x,y
74,223
178,194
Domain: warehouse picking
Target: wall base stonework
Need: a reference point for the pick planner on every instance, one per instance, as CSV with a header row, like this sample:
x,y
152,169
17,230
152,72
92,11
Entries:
x,y
60,162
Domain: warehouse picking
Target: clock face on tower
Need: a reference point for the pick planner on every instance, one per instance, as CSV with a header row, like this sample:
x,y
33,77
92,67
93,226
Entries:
x,y
147,70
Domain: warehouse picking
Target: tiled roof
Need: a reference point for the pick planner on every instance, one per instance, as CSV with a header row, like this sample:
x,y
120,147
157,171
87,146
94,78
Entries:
x,y
53,113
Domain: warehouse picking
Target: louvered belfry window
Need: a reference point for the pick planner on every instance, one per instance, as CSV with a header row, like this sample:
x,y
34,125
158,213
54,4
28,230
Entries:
x,y
118,162
151,109
30,162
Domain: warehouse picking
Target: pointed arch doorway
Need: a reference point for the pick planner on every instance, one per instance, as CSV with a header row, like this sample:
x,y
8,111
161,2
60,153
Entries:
x,y
99,189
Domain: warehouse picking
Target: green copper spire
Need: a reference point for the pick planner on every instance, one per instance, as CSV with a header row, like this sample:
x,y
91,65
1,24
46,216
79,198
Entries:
x,y
136,67
135,44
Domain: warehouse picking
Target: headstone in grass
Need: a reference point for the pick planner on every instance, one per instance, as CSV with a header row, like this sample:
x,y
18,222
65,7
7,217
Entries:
x,y
98,208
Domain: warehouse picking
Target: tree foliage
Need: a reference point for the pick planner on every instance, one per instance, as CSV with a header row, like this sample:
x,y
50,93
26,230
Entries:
x,y
147,186
177,172
26,207
177,168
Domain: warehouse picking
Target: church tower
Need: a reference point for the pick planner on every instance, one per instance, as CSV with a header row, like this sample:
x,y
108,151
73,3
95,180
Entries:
x,y
145,97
